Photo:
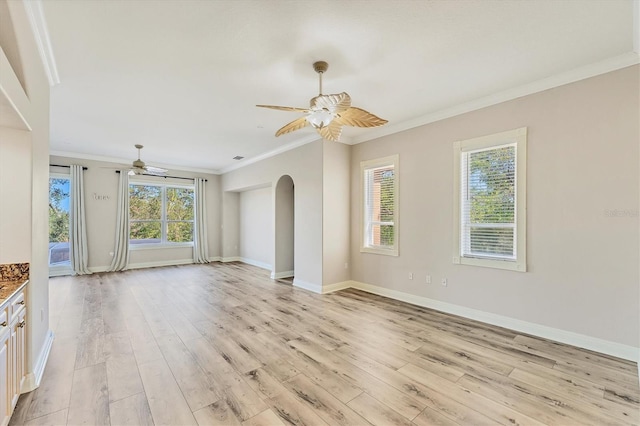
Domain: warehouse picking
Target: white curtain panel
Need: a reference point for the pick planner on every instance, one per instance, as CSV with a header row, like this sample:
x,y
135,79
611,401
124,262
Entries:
x,y
121,250
78,254
200,246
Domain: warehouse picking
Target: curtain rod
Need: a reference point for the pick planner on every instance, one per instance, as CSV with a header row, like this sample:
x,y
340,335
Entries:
x,y
170,177
68,167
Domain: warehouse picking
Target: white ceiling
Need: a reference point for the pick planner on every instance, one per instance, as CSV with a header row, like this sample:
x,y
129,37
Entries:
x,y
183,77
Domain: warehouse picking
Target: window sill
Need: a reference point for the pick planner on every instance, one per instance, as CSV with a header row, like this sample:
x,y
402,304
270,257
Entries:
x,y
60,271
509,265
158,246
383,251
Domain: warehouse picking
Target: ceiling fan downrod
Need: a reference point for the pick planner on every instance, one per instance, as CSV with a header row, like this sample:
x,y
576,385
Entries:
x,y
320,67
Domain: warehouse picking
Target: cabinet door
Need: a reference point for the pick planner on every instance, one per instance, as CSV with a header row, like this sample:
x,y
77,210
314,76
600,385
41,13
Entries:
x,y
17,357
21,353
5,379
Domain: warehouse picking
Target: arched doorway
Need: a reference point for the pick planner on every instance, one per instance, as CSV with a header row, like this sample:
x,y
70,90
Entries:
x,y
283,265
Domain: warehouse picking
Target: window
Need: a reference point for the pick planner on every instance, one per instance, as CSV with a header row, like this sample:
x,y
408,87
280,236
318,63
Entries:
x,y
59,190
380,206
490,201
160,214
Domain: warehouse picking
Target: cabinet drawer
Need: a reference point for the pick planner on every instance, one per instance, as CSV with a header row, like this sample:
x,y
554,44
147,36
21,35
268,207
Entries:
x,y
17,304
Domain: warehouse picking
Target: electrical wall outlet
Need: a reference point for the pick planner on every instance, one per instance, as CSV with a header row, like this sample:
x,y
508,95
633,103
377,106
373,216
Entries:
x,y
410,275
428,279
444,282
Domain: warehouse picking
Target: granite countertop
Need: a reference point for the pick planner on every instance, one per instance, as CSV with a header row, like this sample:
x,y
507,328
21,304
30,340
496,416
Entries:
x,y
12,277
8,287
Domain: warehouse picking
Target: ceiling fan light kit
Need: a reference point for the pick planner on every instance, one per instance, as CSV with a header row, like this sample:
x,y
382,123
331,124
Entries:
x,y
328,113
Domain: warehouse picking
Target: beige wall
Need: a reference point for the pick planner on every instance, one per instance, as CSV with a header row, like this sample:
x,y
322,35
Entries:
x,y
100,180
304,166
582,164
15,195
230,228
335,218
256,227
22,50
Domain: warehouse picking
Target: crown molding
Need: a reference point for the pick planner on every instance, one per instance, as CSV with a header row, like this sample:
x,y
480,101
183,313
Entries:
x,y
581,73
247,161
35,13
127,161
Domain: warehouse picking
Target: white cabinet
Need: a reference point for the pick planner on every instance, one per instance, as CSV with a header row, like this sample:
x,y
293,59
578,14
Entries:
x,y
13,318
17,355
5,368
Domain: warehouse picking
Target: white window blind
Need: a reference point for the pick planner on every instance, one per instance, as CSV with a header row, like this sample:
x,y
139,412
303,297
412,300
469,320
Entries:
x,y
488,203
380,205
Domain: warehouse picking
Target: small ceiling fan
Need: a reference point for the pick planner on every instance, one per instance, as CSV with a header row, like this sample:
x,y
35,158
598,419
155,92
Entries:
x,y
139,167
328,113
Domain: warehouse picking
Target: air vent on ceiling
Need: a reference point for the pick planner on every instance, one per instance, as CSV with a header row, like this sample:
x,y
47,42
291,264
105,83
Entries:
x,y
238,157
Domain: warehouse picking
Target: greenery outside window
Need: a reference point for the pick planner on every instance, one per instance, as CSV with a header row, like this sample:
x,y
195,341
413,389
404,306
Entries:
x,y
380,205
59,224
490,201
160,215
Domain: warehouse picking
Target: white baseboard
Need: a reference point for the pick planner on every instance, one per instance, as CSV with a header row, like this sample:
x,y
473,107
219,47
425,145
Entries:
x,y
32,381
330,288
230,259
580,340
143,265
255,263
316,288
283,274
215,259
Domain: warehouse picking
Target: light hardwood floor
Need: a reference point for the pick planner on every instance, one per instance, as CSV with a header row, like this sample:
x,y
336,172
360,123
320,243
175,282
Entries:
x,y
224,344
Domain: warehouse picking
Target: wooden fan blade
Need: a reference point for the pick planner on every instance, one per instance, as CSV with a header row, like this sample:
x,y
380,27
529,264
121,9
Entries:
x,y
155,170
296,124
337,103
358,117
331,132
284,108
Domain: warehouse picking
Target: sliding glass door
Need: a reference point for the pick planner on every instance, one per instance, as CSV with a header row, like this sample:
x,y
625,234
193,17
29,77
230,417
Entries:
x,y
59,197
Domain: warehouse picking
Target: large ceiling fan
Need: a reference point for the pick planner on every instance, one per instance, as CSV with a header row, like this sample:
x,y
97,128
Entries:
x,y
138,167
328,113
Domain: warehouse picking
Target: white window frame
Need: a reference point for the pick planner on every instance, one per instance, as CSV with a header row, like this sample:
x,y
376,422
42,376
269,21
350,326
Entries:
x,y
365,247
163,218
518,138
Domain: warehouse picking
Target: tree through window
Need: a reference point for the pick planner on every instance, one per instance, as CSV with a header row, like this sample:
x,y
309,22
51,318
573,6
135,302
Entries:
x,y
59,190
490,204
160,214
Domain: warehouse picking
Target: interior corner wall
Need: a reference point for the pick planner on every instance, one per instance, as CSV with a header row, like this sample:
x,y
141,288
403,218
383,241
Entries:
x,y
582,200
336,164
15,193
230,241
101,192
304,165
256,227
284,223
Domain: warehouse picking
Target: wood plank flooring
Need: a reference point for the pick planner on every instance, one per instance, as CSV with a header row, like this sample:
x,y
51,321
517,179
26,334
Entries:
x,y
222,344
